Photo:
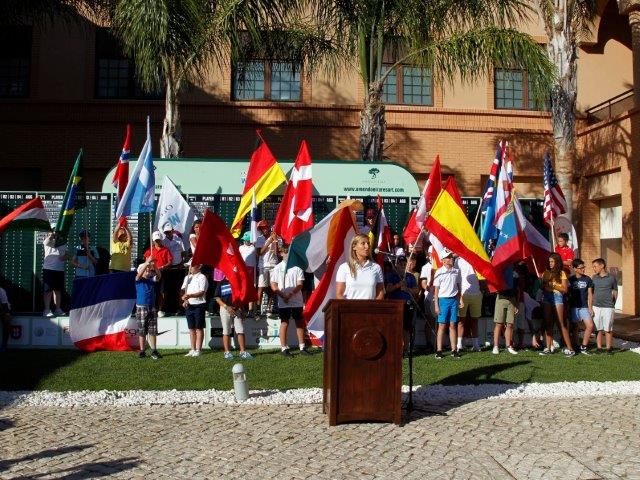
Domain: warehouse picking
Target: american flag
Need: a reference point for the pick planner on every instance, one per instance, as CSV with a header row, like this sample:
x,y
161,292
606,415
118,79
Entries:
x,y
493,174
554,201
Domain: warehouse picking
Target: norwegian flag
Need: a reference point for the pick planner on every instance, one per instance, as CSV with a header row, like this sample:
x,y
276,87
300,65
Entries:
x,y
431,190
554,201
295,214
121,175
384,233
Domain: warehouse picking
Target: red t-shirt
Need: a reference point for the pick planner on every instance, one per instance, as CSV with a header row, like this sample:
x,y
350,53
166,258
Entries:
x,y
161,255
567,255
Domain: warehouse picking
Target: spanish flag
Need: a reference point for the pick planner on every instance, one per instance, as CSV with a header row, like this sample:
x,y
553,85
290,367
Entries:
x,y
450,225
263,177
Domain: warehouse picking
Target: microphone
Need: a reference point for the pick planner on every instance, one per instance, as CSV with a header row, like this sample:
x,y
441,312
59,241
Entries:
x,y
388,254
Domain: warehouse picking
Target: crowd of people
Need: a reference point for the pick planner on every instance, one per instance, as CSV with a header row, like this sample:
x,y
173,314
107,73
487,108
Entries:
x,y
449,299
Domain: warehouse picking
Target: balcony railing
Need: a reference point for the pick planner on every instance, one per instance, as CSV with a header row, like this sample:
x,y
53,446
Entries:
x,y
611,108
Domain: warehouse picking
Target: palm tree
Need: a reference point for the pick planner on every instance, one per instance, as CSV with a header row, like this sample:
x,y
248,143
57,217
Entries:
x,y
565,22
453,38
172,41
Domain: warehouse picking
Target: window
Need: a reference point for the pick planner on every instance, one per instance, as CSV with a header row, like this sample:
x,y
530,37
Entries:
x,y
15,61
115,74
513,90
265,80
408,85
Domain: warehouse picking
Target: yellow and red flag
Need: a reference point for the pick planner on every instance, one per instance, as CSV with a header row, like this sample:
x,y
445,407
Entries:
x,y
450,225
263,177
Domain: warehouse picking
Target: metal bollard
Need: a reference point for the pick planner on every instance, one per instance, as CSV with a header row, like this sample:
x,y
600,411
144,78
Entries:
x,y
240,387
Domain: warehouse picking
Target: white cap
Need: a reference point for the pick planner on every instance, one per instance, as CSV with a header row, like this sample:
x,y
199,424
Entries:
x,y
167,227
156,236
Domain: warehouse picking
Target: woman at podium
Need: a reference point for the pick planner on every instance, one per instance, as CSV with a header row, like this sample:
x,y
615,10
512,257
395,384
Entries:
x,y
359,278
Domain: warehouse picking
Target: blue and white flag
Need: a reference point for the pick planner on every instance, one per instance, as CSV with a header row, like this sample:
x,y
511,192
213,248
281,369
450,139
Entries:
x,y
100,311
174,210
254,217
139,196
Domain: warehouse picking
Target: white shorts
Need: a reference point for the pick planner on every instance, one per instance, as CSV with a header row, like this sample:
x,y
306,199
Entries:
x,y
225,318
603,318
264,277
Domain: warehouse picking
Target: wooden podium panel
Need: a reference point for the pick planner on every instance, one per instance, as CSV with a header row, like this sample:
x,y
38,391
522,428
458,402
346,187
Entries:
x,y
363,361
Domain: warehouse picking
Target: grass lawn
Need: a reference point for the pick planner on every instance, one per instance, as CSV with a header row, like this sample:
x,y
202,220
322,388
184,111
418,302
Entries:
x,y
74,370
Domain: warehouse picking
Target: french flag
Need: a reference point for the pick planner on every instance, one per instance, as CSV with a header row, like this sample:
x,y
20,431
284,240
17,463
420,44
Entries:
x,y
100,311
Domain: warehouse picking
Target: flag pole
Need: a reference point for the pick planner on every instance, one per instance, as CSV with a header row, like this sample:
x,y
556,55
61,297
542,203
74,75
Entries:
x,y
150,213
475,221
552,234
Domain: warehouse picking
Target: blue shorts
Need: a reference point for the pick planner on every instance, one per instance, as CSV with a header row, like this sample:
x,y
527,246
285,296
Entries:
x,y
578,314
553,298
448,310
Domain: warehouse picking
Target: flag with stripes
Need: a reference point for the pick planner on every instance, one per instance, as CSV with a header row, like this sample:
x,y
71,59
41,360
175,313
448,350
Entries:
x,y
503,192
554,201
488,206
121,175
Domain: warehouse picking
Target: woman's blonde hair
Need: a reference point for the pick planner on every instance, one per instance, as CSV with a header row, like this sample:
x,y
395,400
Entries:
x,y
353,258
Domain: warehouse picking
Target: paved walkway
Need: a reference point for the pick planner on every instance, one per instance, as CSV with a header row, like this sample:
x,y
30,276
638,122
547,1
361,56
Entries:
x,y
492,439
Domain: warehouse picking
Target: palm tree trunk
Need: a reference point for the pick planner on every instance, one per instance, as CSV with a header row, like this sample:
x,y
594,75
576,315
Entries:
x,y
563,53
171,141
372,125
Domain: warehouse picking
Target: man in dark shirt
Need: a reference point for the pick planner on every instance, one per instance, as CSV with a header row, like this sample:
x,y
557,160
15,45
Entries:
x,y
605,293
581,301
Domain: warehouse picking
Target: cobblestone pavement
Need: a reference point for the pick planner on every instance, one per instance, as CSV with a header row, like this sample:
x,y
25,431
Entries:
x,y
581,438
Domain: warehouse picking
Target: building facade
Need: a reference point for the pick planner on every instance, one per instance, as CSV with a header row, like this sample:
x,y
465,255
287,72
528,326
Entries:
x,y
67,85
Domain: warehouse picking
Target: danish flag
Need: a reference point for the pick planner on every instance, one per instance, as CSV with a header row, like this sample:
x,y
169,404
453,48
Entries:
x,y
295,214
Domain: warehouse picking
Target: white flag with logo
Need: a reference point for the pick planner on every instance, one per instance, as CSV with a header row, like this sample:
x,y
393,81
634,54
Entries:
x,y
175,210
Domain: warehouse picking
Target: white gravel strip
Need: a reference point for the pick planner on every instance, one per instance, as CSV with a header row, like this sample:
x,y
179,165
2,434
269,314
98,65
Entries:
x,y
432,394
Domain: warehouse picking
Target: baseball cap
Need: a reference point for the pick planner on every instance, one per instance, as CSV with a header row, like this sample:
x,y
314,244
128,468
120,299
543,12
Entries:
x,y
262,224
156,236
246,237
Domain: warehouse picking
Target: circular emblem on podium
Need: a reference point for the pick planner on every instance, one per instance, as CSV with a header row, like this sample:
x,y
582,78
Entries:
x,y
367,343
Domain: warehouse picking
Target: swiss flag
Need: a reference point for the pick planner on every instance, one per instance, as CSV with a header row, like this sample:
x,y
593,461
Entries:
x,y
431,190
295,214
217,247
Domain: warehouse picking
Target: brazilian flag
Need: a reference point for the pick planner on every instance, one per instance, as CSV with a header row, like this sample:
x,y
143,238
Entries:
x,y
75,198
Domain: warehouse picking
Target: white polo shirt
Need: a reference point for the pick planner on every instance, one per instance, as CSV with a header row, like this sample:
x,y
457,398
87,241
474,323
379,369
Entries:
x,y
193,284
447,281
52,255
470,282
270,257
249,255
287,280
363,287
176,247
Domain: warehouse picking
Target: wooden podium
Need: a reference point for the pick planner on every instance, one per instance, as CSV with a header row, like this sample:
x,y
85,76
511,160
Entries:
x,y
362,361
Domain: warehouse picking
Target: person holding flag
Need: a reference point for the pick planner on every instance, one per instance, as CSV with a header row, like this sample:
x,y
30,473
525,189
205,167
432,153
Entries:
x,y
121,249
53,274
267,249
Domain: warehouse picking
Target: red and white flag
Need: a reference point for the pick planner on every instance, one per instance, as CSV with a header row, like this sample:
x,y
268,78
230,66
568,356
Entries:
x,y
295,214
384,234
29,215
217,247
504,189
121,175
431,190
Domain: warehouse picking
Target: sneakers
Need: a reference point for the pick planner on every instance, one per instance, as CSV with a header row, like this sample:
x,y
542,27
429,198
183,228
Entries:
x,y
512,350
305,352
439,356
228,355
196,353
609,351
155,355
568,353
58,312
142,354
47,313
246,355
584,350
496,350
286,353
161,314
190,353
455,354
546,351
477,348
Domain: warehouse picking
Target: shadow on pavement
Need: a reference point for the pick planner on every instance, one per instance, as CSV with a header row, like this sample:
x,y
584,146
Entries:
x,y
49,453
